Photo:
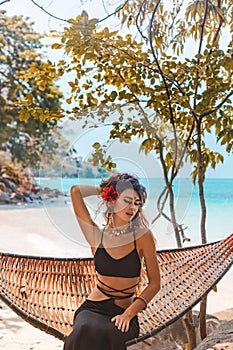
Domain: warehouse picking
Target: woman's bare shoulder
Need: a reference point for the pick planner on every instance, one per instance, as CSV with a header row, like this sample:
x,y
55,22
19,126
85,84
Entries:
x,y
143,233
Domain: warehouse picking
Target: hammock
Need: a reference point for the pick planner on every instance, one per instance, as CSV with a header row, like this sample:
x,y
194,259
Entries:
x,y
46,291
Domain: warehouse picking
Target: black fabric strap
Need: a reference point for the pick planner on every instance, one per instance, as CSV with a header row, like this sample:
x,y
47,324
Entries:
x,y
110,295
111,289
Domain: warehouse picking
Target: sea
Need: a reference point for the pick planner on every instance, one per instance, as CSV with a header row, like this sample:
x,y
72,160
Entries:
x,y
218,198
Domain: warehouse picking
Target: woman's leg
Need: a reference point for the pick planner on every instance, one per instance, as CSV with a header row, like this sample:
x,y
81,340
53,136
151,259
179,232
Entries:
x,y
93,329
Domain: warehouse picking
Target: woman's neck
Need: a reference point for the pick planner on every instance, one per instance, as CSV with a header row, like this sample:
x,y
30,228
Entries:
x,y
117,223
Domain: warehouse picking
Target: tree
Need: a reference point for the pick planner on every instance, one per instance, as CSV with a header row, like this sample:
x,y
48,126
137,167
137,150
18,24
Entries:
x,y
179,91
23,136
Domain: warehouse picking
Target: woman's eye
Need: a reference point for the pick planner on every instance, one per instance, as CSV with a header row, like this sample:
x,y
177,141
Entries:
x,y
129,202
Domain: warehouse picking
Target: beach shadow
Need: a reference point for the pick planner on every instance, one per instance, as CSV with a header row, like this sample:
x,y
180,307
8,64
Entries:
x,y
9,320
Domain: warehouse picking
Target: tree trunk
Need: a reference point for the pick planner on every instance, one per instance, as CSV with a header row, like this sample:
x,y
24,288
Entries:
x,y
203,305
203,223
201,186
190,329
188,318
173,218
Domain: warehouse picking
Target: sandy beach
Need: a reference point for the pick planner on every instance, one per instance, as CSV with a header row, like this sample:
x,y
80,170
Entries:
x,y
42,231
18,334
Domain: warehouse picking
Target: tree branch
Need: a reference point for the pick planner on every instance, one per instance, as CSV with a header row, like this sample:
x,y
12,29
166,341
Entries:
x,y
4,2
203,26
214,109
199,49
137,24
163,79
220,22
113,13
160,207
48,13
224,100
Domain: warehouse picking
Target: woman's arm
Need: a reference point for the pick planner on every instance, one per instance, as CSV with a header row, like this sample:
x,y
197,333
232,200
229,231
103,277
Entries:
x,y
147,246
87,225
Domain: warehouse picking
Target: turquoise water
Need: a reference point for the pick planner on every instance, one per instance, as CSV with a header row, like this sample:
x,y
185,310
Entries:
x,y
215,189
219,202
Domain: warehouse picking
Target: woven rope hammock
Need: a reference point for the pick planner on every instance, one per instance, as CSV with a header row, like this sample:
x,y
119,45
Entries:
x,y
47,291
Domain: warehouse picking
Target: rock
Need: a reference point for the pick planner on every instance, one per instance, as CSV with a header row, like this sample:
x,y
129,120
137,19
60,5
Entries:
x,y
17,186
2,187
216,340
47,193
211,324
9,184
4,198
174,337
25,192
225,315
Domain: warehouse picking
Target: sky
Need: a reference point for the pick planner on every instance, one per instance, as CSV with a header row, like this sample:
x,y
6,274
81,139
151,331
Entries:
x,y
70,9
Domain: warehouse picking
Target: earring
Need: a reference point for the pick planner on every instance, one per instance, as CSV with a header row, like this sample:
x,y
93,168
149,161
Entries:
x,y
110,216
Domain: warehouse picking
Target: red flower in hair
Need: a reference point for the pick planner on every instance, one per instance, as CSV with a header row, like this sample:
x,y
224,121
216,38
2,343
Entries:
x,y
109,194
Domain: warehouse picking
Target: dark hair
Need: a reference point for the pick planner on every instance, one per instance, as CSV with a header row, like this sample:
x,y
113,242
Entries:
x,y
122,182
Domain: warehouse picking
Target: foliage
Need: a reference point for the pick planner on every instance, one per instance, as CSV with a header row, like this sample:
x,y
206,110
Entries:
x,y
142,82
23,134
112,70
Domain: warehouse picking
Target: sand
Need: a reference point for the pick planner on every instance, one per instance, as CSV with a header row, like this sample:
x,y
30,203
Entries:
x,y
16,334
42,231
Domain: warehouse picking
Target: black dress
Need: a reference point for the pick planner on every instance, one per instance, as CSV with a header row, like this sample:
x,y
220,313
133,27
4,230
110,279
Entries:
x,y
94,330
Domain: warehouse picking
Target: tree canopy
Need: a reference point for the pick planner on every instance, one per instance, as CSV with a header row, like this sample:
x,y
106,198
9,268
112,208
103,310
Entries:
x,y
23,135
147,67
141,80
164,76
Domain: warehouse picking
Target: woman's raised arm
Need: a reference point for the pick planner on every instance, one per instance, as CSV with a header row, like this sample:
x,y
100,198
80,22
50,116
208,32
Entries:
x,y
89,228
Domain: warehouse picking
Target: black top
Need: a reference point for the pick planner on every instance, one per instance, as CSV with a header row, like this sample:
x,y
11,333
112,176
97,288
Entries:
x,y
128,266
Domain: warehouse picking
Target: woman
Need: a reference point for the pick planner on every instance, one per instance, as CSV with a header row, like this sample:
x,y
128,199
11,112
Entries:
x,y
108,318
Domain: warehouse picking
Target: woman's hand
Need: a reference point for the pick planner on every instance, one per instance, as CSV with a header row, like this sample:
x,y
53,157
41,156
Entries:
x,y
122,322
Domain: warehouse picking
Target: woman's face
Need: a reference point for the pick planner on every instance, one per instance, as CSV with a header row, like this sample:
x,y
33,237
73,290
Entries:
x,y
126,206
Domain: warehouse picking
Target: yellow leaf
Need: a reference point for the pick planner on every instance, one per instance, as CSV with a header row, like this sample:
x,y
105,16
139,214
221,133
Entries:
x,y
42,86
57,46
42,118
24,115
96,145
29,98
215,288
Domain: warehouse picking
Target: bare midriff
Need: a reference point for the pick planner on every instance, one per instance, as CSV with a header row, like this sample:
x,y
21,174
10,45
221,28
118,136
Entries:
x,y
114,287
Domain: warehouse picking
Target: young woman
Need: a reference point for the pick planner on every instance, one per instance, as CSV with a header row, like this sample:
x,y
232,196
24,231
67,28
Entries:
x,y
108,318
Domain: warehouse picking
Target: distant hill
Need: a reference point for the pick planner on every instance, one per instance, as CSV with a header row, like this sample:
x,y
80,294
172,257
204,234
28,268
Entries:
x,y
71,170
